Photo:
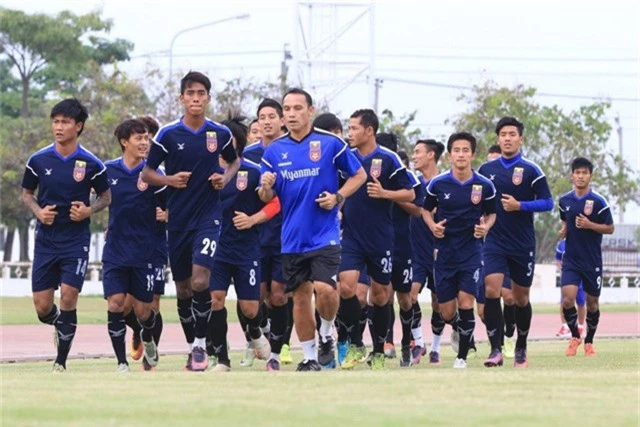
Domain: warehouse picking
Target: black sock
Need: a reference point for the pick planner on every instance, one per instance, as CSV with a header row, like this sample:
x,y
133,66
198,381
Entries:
x,y
157,330
201,307
186,319
417,316
406,319
437,323
466,325
264,309
509,314
132,321
50,319
350,315
493,321
392,320
253,327
147,327
571,318
278,327
380,325
523,322
243,322
318,320
117,330
287,333
593,317
219,328
453,321
343,336
66,326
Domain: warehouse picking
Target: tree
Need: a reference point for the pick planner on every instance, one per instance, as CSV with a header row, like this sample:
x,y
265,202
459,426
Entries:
x,y
552,138
400,126
53,51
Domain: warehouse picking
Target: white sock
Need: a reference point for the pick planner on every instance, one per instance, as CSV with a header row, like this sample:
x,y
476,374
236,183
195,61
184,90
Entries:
x,y
199,342
190,345
275,357
309,349
326,328
417,336
435,343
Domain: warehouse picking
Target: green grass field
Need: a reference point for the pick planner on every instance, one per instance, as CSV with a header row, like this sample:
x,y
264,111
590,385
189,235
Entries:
x,y
93,310
554,390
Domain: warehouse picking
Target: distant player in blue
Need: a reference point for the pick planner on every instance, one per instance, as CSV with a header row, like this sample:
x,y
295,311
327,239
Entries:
x,y
585,216
272,286
129,249
301,168
581,300
465,206
64,174
368,234
426,154
522,189
238,255
190,149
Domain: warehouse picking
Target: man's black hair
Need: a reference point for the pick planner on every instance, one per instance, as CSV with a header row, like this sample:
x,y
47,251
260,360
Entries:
x,y
298,91
127,128
388,140
368,118
464,136
268,102
433,145
239,131
581,162
72,108
509,121
329,122
194,77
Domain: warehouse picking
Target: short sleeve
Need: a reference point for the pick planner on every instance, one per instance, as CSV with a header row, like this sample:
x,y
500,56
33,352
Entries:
x,y
563,213
99,181
157,153
228,152
604,214
488,198
344,160
540,187
420,193
30,179
431,199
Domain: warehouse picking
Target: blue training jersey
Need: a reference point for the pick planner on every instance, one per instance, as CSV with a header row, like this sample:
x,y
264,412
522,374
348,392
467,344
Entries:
x,y
305,169
161,245
583,247
367,222
269,231
131,234
60,181
402,221
519,177
241,195
185,150
422,239
461,204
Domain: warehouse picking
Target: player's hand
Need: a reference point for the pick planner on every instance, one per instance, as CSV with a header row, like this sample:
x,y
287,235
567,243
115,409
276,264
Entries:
x,y
438,229
267,180
509,203
47,214
375,190
562,234
480,230
242,221
79,211
161,215
217,181
583,222
179,180
327,200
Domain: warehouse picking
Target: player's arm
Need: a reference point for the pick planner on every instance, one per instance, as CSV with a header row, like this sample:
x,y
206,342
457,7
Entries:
x,y
543,200
482,228
242,221
220,181
45,215
178,180
376,191
410,208
428,211
583,222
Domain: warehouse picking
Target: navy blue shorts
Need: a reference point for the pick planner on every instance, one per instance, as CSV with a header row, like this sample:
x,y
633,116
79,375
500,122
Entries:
x,y
591,280
449,283
319,265
51,270
423,274
192,247
402,275
246,278
519,268
159,275
364,277
379,266
135,281
271,263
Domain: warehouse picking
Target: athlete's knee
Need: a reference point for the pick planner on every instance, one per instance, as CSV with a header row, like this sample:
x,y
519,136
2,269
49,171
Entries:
x,y
249,308
68,298
217,300
404,300
183,289
593,303
115,303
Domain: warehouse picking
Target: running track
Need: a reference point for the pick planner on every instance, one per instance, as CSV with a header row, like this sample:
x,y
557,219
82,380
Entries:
x,y
22,343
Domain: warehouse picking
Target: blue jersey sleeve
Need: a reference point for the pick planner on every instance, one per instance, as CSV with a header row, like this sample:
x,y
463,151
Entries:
x,y
344,159
228,152
604,214
430,200
489,198
400,180
560,250
561,208
30,178
418,188
157,153
99,181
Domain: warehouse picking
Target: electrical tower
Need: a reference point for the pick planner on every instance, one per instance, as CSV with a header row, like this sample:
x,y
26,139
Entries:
x,y
334,49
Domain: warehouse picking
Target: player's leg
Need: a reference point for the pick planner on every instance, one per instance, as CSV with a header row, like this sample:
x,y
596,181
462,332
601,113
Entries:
x,y
218,328
389,346
180,248
509,315
285,354
279,312
468,282
569,292
366,312
115,283
159,270
495,264
521,270
324,270
350,312
416,323
245,278
142,288
581,302
401,280
379,297
130,319
592,283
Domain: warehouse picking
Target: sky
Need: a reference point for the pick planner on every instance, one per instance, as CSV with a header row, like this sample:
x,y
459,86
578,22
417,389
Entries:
x,y
425,52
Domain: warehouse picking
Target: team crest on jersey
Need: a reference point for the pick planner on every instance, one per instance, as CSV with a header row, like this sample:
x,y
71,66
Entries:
x,y
517,176
212,141
79,170
476,194
242,180
315,150
142,186
376,168
588,207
